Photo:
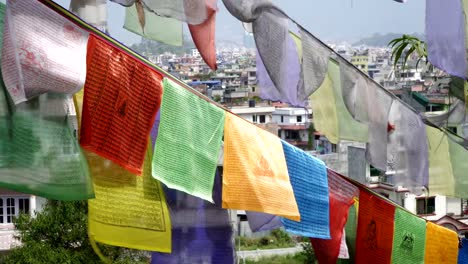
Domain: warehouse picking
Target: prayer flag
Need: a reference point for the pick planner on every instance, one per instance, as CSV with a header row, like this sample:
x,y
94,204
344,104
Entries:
x,y
409,238
201,231
42,51
38,153
375,229
129,210
331,115
441,179
255,173
446,36
203,35
407,151
463,252
188,142
263,222
341,199
162,29
310,185
121,98
441,245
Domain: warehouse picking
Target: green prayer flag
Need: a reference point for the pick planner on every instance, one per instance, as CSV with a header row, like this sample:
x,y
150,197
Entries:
x,y
331,116
163,29
458,160
409,238
41,156
188,142
441,179
350,230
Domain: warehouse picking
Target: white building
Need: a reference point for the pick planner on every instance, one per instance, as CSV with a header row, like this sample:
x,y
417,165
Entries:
x,y
256,115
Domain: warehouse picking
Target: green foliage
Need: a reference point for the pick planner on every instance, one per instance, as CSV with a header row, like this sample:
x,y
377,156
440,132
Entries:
x,y
58,234
308,254
217,98
277,239
407,45
288,259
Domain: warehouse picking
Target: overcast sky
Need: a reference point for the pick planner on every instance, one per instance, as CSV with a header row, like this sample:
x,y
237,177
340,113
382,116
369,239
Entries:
x,y
335,20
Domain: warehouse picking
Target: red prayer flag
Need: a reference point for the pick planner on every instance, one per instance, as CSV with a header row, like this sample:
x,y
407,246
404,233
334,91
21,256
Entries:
x,y
121,98
375,229
203,35
341,198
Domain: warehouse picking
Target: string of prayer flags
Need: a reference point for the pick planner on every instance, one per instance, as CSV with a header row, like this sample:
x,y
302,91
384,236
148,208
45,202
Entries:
x,y
463,251
407,149
341,195
128,211
374,239
42,51
254,165
201,231
162,29
441,179
203,35
263,222
330,114
94,12
314,64
441,245
190,132
289,94
121,98
308,177
39,154
409,238
446,36
376,149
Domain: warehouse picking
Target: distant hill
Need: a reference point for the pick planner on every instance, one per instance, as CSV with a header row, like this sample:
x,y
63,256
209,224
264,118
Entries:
x,y
381,40
153,47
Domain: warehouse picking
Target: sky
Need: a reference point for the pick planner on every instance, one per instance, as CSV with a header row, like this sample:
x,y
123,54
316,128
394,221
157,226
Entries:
x,y
330,20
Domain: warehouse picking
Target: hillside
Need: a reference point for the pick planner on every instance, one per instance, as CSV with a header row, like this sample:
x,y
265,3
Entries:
x,y
381,40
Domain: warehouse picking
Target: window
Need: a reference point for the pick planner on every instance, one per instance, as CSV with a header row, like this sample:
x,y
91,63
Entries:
x,y
425,205
262,119
453,129
333,148
11,207
299,118
254,118
282,119
253,89
292,135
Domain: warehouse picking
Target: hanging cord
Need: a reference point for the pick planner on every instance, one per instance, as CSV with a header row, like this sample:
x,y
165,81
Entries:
x,y
97,250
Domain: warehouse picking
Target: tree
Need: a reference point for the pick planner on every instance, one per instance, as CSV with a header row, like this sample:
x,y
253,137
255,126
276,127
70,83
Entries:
x,y
58,234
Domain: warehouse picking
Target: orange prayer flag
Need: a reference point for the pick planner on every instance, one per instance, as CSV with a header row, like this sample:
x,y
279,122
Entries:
x,y
121,98
374,239
203,35
441,245
255,173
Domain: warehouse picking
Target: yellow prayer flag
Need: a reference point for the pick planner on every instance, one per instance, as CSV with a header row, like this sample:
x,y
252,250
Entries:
x,y
128,211
255,174
441,245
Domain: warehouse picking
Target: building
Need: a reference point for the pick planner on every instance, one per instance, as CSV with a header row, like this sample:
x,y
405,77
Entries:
x,y
294,126
254,114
